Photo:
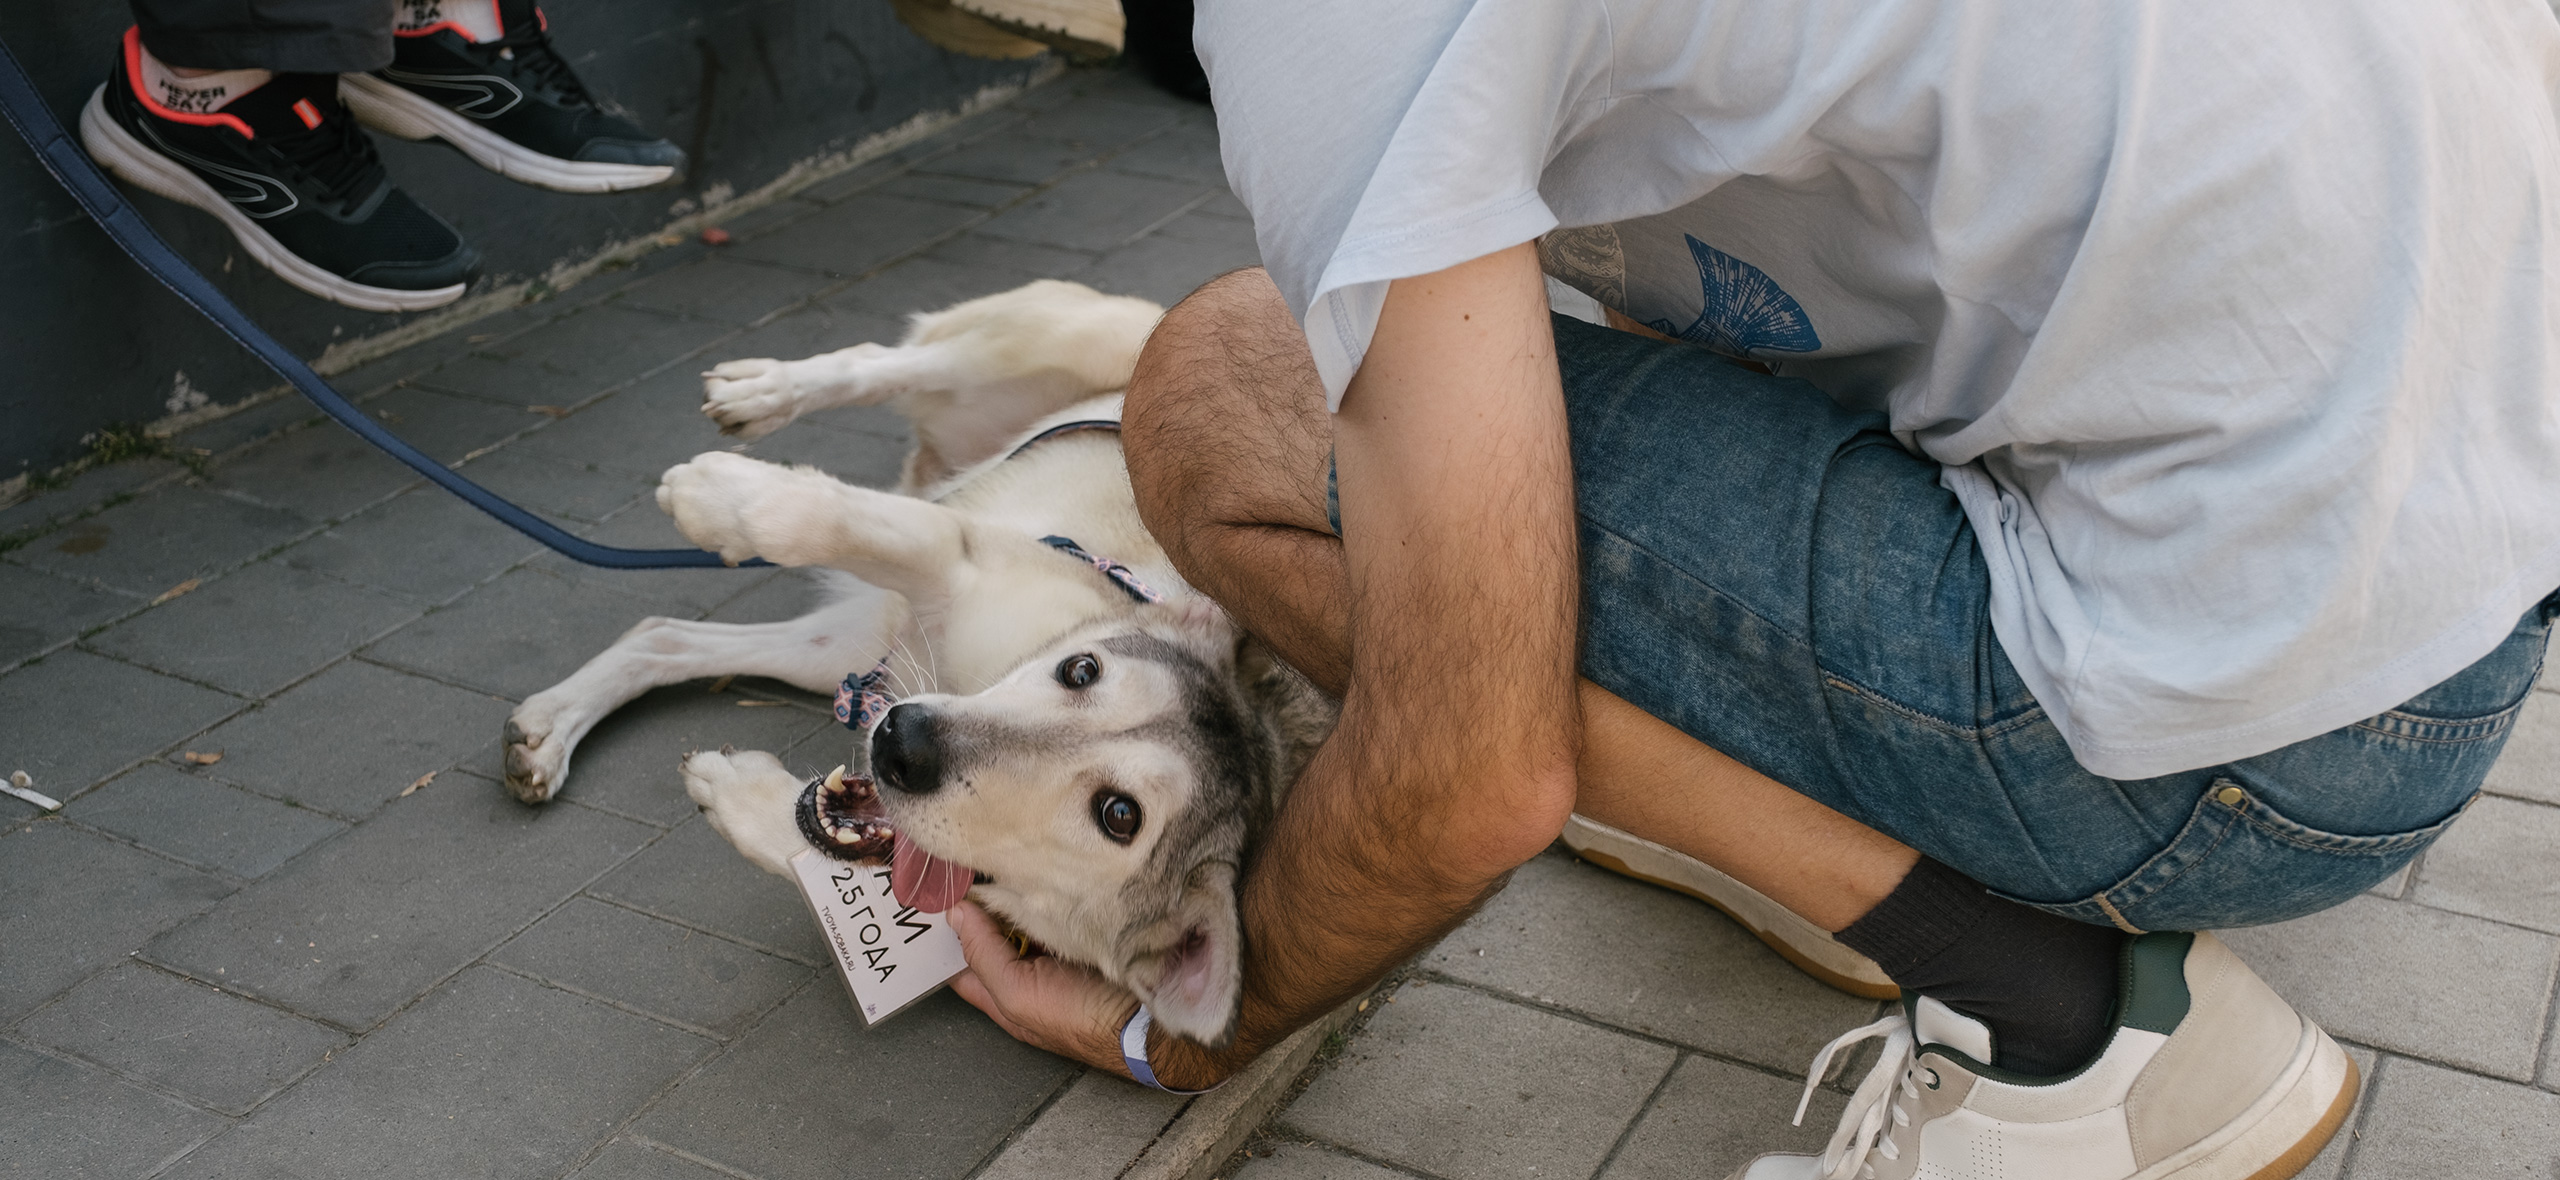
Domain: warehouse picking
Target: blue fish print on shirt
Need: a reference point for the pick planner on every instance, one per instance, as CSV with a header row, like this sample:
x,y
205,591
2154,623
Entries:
x,y
1746,311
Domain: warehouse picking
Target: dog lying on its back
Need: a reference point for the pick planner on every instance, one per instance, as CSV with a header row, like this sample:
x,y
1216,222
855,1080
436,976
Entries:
x,y
1097,763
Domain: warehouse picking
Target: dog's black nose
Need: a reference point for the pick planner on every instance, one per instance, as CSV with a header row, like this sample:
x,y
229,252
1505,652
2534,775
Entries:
x,y
904,755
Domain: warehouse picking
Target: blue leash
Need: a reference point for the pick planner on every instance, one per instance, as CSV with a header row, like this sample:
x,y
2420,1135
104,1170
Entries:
x,y
69,164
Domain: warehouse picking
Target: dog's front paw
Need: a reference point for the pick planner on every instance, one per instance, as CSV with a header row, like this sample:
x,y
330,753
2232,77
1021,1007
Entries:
x,y
748,797
739,507
752,398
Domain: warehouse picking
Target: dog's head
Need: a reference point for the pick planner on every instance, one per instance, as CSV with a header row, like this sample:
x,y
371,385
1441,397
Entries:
x,y
1105,792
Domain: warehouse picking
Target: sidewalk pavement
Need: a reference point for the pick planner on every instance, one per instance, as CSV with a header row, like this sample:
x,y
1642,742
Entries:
x,y
329,945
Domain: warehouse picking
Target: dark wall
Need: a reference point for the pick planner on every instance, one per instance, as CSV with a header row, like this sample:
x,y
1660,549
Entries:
x,y
747,86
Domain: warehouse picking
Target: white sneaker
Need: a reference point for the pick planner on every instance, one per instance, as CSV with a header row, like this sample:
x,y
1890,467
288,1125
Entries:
x,y
1811,948
2209,1076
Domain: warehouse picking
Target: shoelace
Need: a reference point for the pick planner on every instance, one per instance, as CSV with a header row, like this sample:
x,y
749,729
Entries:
x,y
336,155
1862,1136
529,49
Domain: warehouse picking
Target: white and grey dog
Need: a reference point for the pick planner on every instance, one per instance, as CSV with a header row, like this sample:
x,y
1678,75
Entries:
x,y
1083,737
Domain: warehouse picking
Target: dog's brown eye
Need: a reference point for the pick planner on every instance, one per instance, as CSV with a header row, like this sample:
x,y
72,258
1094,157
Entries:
x,y
1118,816
1078,671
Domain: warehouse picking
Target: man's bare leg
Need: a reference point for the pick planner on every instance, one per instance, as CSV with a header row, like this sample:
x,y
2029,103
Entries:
x,y
1228,447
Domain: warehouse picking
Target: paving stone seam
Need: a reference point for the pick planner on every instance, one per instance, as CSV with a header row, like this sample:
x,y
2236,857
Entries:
x,y
590,805
1282,1130
1167,219
625,1006
67,641
13,1034
67,1056
1643,1110
332,662
245,703
678,1152
670,919
1839,1069
720,1050
236,881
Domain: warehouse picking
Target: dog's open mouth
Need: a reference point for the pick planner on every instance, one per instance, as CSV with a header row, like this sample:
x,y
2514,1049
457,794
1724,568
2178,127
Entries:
x,y
842,815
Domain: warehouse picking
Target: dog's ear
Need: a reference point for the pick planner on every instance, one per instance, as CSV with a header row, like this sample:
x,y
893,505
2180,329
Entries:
x,y
1201,626
1192,981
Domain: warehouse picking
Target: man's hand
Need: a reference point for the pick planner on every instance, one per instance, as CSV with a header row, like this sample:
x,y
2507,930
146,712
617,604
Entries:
x,y
1043,1001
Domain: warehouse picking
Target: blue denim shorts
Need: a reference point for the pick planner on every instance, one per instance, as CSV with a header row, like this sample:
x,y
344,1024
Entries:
x,y
1776,576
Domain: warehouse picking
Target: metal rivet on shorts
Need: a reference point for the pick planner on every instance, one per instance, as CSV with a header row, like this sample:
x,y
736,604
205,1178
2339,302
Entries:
x,y
2230,796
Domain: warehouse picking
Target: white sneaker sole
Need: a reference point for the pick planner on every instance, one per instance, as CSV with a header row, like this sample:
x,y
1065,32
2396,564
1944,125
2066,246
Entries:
x,y
395,110
1811,948
111,145
2285,1129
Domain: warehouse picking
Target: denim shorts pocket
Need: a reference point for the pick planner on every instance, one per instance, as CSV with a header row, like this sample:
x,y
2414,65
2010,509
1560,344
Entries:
x,y
2240,862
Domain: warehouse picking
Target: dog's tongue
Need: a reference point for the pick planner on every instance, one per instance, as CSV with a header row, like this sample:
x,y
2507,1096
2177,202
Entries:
x,y
925,881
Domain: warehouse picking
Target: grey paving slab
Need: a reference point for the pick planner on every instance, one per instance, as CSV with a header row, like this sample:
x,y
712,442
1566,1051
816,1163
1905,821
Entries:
x,y
694,877
682,593
1712,1117
1226,205
1307,1161
1013,156
73,903
2502,861
1187,151
1464,1086
1166,268
628,763
1029,260
1104,122
571,359
72,718
835,442
446,427
732,292
1094,1129
640,431
66,1121
215,1048
772,600
425,545
85,492
1094,210
320,473
353,737
953,190
162,539
2529,768
929,1093
624,1159
2429,1121
257,630
365,923
494,1077
1646,959
660,968
265,420
817,330
2411,979
205,823
554,486
39,610
859,234
515,636
922,284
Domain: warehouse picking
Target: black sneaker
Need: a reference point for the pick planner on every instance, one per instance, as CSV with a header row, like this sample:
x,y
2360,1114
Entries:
x,y
512,104
287,169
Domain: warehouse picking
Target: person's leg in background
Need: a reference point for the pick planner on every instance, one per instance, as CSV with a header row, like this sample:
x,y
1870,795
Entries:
x,y
232,106
235,107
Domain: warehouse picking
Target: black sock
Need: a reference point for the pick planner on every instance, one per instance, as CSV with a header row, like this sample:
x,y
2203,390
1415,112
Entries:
x,y
2045,985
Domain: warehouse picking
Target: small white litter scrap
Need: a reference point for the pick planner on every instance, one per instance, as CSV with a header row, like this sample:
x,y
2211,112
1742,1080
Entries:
x,y
23,786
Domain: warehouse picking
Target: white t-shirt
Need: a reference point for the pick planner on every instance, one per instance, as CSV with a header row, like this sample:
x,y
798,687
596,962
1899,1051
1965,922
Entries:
x,y
2236,325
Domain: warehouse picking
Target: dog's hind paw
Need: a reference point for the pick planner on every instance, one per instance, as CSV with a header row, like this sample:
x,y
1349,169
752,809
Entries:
x,y
750,798
536,765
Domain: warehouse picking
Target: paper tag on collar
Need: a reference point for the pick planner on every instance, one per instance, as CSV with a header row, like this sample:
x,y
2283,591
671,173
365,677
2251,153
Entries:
x,y
889,955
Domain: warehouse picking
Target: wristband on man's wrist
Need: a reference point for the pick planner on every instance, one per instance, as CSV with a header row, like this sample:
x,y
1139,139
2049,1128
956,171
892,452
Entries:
x,y
1133,1052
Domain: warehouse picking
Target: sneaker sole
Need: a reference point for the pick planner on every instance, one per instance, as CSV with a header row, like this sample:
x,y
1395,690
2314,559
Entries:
x,y
2284,1130
129,158
1809,947
394,110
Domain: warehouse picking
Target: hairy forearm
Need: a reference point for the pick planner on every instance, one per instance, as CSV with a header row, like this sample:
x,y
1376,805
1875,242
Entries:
x,y
1453,759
